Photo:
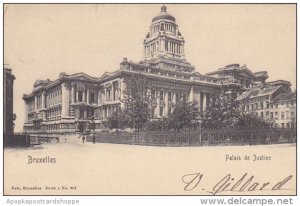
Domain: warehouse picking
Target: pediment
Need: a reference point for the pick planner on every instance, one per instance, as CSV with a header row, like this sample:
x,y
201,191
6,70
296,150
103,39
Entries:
x,y
83,77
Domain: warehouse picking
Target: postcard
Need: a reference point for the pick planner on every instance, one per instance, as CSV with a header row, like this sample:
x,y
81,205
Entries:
x,y
149,99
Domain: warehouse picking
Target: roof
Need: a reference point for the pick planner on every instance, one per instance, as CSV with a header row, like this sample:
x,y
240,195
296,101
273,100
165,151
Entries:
x,y
286,96
163,15
233,67
257,92
280,81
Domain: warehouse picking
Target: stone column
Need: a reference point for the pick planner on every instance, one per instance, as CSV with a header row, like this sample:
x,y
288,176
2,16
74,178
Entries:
x,y
35,102
156,111
104,94
44,116
83,95
207,99
73,94
43,100
99,96
160,44
65,104
173,100
113,92
76,98
166,107
191,94
204,101
201,101
87,96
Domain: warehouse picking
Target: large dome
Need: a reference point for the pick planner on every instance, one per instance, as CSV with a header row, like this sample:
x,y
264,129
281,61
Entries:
x,y
164,15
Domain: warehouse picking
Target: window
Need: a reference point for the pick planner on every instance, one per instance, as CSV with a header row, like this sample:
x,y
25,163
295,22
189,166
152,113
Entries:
x,y
81,115
271,115
262,114
161,95
282,115
79,96
169,96
267,105
92,98
161,111
287,115
256,105
247,107
282,125
261,105
252,106
267,113
152,94
177,97
271,106
107,94
276,115
287,125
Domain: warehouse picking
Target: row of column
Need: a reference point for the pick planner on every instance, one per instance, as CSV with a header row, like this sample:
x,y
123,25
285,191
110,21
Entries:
x,y
102,94
202,98
174,47
43,104
152,48
170,46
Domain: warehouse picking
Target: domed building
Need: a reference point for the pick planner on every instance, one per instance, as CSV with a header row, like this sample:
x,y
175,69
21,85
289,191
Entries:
x,y
74,102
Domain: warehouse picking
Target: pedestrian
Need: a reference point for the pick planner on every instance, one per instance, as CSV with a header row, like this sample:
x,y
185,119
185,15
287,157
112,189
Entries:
x,y
83,138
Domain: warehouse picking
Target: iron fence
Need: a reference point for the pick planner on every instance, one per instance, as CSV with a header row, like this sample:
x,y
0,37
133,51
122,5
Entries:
x,y
200,137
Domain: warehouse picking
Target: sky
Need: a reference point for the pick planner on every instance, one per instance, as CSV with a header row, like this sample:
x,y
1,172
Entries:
x,y
40,40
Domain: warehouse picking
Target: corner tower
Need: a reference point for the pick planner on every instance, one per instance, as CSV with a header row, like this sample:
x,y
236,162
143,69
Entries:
x,y
164,44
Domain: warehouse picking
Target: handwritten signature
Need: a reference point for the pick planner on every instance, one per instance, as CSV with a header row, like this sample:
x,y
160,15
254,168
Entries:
x,y
229,183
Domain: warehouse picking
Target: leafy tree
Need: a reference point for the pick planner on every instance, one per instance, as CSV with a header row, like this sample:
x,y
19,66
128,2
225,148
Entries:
x,y
118,120
225,112
184,115
251,120
136,99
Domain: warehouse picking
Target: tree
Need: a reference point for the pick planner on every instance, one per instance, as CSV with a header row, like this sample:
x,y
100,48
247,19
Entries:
x,y
224,111
136,99
251,120
184,115
118,120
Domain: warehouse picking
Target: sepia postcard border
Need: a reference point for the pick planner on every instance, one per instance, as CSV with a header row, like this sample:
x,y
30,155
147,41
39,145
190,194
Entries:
x,y
157,4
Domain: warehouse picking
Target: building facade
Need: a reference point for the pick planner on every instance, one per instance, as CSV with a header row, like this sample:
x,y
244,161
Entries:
x,y
73,103
8,114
